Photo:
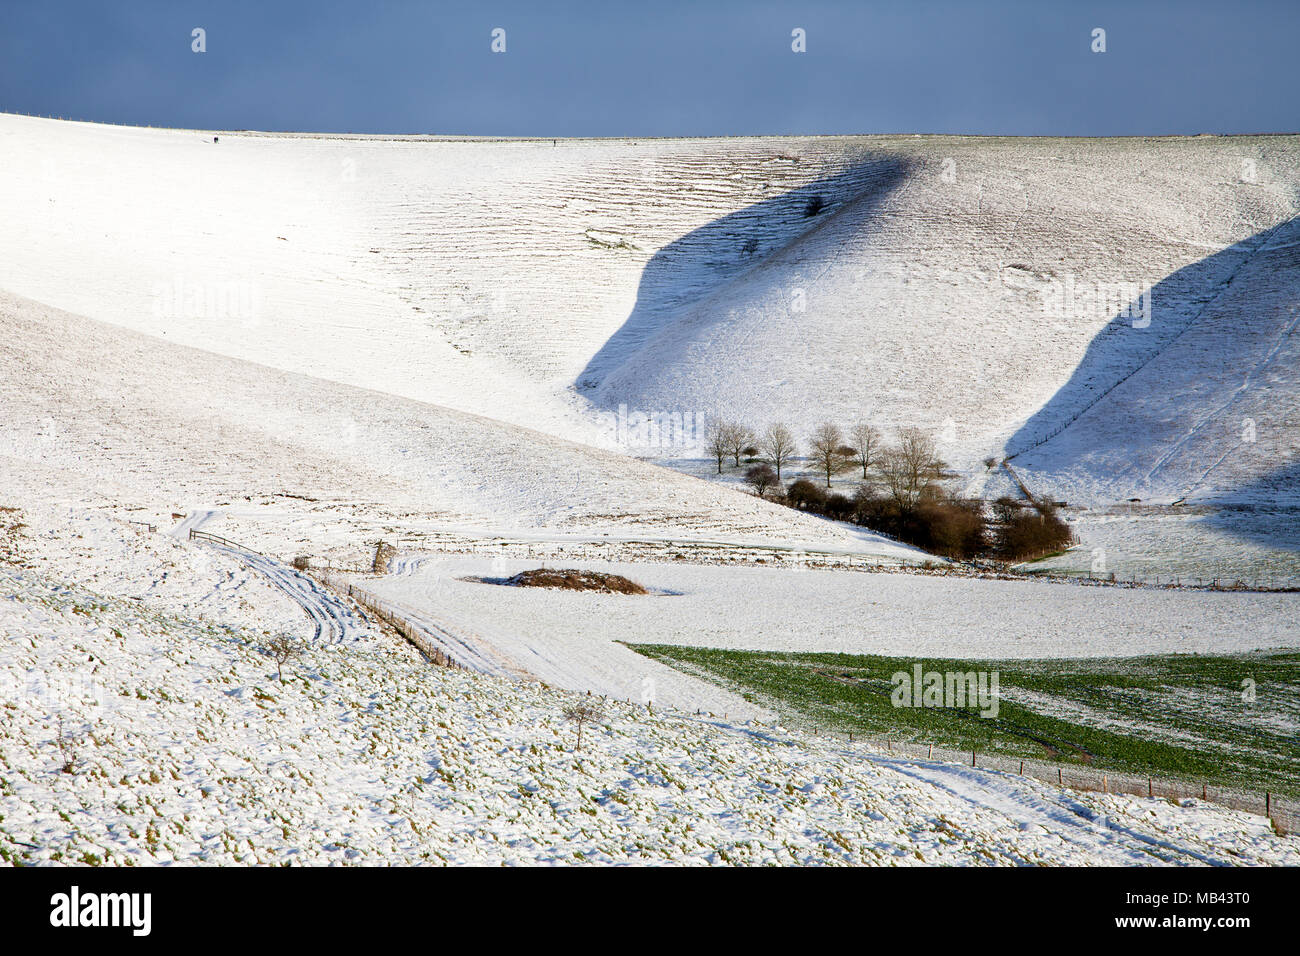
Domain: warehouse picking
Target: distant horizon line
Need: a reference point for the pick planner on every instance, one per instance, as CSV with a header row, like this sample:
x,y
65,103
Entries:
x,y
489,137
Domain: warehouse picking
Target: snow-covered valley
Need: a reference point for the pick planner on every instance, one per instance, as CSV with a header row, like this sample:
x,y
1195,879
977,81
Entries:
x,y
313,344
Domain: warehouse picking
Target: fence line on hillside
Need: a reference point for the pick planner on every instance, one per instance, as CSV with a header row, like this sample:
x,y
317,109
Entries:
x,y
196,535
398,622
1283,811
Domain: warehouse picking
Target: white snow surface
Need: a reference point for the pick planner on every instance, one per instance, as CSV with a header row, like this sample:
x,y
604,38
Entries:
x,y
113,416
185,747
574,639
547,282
427,339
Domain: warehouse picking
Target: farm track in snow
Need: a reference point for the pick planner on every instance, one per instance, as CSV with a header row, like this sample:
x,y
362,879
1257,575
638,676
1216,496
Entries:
x,y
332,620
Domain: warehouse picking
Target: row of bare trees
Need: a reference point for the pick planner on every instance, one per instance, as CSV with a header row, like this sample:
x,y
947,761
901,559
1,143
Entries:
x,y
899,489
905,466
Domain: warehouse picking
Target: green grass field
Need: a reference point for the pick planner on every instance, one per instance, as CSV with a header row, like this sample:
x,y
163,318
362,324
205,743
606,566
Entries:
x,y
1184,716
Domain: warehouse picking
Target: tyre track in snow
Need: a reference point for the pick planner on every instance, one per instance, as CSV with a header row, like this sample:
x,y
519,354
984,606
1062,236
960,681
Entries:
x,y
333,621
1068,818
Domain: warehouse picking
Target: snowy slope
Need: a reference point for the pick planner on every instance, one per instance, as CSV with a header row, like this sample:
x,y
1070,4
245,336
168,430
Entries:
x,y
547,283
1211,416
932,303
185,747
114,419
479,275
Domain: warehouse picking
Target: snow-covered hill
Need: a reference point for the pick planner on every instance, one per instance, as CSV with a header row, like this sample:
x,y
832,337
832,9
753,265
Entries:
x,y
99,416
975,286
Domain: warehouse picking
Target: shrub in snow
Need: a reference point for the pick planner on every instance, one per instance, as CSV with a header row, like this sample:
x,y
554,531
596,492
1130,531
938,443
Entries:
x,y
282,649
1033,532
761,478
384,552
581,714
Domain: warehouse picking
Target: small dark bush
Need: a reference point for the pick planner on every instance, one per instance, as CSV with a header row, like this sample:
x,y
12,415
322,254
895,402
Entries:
x,y
952,527
572,579
761,478
806,495
839,507
1032,533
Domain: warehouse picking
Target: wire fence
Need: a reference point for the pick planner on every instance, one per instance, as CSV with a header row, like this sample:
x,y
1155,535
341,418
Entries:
x,y
225,542
1284,582
1283,811
412,632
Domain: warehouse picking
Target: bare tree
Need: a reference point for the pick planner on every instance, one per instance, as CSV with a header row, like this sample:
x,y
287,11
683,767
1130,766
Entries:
x,y
581,714
739,438
779,446
282,648
910,468
717,439
864,439
826,450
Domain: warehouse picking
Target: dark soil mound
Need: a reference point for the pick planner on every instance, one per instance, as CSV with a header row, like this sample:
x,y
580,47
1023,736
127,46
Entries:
x,y
571,579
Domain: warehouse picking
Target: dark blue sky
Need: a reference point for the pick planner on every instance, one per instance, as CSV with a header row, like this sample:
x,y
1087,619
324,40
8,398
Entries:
x,y
660,67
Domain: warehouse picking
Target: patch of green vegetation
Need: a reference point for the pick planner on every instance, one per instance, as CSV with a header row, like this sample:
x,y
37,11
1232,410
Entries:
x,y
1180,715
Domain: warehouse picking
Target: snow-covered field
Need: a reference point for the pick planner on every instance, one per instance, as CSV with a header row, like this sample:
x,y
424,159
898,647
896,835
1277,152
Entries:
x,y
311,344
1260,547
185,747
571,639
